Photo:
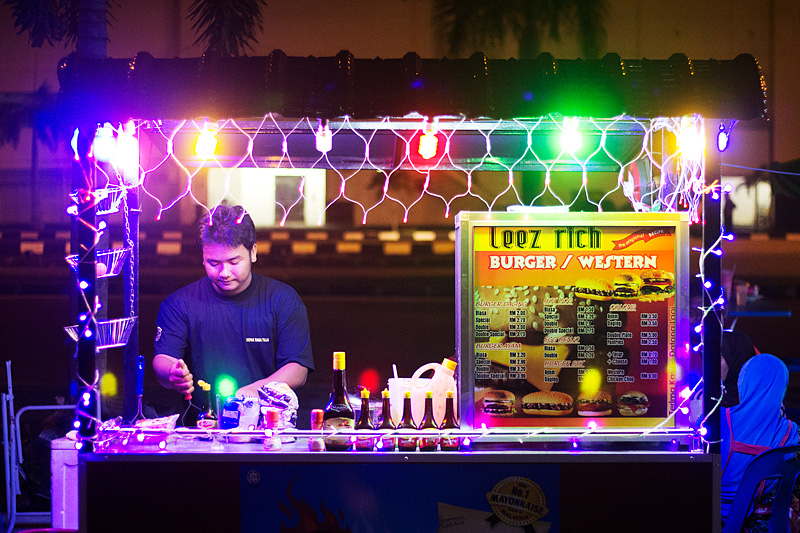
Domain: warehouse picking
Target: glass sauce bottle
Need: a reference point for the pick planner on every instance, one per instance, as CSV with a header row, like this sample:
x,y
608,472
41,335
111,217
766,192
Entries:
x,y
449,443
208,418
407,443
428,444
388,444
338,414
365,444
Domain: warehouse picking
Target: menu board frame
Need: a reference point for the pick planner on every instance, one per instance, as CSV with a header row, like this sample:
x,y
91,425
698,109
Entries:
x,y
509,229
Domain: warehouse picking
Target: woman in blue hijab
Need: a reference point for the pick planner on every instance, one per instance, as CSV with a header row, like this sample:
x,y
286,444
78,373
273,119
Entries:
x,y
755,425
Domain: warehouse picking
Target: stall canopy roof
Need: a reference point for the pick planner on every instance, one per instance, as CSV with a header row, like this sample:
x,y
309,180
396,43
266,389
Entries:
x,y
144,87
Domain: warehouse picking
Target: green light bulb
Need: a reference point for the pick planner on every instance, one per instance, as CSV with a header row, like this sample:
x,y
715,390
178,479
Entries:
x,y
226,386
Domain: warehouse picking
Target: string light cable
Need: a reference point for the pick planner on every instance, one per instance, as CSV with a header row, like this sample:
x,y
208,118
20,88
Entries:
x,y
767,170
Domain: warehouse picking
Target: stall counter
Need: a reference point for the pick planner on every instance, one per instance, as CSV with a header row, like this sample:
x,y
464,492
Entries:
x,y
219,486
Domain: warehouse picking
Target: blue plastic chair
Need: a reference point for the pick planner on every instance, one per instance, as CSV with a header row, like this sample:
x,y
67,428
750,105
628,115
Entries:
x,y
780,464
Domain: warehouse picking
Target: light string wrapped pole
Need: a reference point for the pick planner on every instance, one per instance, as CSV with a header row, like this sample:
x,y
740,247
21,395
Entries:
x,y
84,183
712,295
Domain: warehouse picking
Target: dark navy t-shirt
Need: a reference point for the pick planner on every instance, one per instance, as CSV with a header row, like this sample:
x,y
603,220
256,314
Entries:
x,y
247,336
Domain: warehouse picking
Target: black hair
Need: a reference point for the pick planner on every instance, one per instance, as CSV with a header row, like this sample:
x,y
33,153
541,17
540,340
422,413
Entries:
x,y
228,225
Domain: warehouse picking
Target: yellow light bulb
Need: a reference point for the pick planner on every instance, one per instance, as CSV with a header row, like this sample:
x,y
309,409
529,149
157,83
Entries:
x,y
691,140
108,384
206,144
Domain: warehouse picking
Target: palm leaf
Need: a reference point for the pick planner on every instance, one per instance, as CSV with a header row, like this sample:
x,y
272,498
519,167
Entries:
x,y
51,20
42,19
591,19
227,27
468,25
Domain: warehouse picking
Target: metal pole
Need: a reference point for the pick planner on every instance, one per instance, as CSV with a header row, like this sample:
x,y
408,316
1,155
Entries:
x,y
83,181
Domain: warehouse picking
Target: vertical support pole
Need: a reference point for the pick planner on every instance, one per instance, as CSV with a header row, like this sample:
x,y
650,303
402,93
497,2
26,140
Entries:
x,y
83,182
712,328
131,290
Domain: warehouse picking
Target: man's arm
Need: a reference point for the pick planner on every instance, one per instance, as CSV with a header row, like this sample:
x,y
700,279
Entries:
x,y
293,374
172,373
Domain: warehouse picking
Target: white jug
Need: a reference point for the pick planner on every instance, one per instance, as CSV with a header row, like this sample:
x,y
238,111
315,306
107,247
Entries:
x,y
443,380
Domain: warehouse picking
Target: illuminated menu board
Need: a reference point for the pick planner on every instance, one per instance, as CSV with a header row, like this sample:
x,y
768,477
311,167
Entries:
x,y
572,319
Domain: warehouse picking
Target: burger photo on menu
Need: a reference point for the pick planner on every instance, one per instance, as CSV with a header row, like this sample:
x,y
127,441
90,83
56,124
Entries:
x,y
657,284
594,404
499,403
627,286
593,289
547,403
632,403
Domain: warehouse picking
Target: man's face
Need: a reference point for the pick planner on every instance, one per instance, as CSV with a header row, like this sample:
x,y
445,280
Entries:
x,y
229,269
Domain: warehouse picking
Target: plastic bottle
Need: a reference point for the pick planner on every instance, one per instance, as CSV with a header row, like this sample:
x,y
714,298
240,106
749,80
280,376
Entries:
x,y
442,381
272,442
316,444
231,413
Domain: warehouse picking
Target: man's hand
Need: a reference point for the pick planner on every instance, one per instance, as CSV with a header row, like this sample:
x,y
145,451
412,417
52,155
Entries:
x,y
172,373
293,374
180,378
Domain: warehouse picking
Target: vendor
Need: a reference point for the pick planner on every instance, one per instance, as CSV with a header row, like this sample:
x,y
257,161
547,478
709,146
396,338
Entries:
x,y
233,322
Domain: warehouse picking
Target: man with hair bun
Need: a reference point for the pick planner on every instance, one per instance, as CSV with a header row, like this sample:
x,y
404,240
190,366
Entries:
x,y
233,322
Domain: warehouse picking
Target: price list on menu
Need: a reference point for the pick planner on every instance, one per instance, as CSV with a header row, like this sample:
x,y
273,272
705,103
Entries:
x,y
572,322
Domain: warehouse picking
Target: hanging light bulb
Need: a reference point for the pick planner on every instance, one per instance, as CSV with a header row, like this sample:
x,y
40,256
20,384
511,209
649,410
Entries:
x,y
428,142
104,144
206,144
570,136
690,139
724,134
74,144
722,139
324,138
126,155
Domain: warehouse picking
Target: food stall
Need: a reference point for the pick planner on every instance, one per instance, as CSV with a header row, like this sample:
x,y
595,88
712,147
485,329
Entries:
x,y
575,372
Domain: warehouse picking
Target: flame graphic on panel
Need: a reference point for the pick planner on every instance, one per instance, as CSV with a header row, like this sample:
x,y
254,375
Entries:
x,y
307,518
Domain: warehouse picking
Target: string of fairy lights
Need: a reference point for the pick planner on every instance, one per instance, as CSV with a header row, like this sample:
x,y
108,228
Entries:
x,y
663,170
430,146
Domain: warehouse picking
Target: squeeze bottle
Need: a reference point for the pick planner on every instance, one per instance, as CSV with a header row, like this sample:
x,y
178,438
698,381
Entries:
x,y
443,380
